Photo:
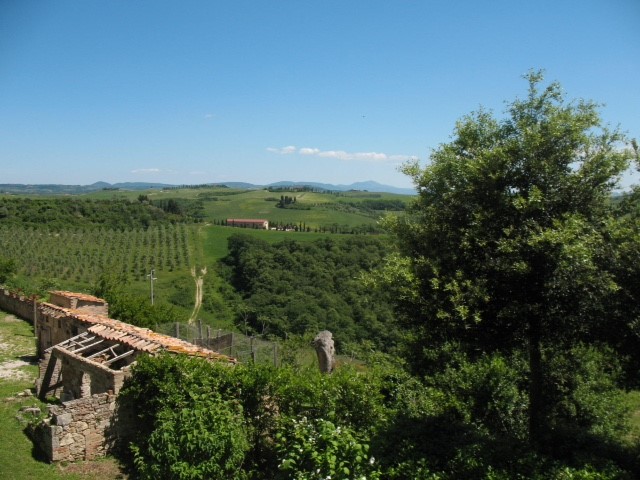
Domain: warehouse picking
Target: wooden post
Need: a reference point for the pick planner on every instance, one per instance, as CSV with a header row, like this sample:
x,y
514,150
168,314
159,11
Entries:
x,y
177,329
253,352
208,337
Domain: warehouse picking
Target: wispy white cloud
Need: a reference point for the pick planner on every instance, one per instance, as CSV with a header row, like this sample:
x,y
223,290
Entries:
x,y
377,157
208,115
309,151
146,170
283,150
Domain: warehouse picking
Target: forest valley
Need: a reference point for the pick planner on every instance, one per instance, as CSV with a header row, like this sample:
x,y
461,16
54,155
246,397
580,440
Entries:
x,y
497,319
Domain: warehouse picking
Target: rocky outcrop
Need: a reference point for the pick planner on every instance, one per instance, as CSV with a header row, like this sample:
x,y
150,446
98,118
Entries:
x,y
325,350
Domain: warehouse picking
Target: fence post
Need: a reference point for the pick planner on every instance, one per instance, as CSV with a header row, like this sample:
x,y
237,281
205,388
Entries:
x,y
275,354
200,331
208,337
253,352
177,329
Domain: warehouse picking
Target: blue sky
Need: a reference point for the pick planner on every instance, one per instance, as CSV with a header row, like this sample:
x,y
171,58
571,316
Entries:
x,y
261,91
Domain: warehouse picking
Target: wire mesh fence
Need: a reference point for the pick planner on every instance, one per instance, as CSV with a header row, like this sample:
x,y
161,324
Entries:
x,y
236,345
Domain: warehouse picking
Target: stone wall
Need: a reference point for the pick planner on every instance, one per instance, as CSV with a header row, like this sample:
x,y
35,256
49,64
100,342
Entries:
x,y
87,303
78,430
55,327
82,377
17,304
51,328
69,376
87,424
93,309
50,376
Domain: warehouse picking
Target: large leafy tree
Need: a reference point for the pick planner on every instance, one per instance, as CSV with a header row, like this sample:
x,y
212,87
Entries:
x,y
509,245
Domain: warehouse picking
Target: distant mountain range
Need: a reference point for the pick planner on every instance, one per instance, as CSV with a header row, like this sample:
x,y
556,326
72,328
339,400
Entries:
x,y
369,186
56,189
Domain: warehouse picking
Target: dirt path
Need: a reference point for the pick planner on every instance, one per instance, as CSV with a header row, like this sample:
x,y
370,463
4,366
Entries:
x,y
199,279
11,370
15,353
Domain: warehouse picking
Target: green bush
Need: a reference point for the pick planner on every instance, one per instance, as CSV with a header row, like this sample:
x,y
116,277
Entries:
x,y
490,393
7,268
588,408
131,308
318,449
344,397
197,419
204,439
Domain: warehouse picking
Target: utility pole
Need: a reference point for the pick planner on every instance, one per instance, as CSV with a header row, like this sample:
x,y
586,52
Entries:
x,y
152,277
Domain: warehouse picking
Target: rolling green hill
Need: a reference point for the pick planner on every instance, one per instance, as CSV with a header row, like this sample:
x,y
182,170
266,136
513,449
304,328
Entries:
x,y
341,211
69,241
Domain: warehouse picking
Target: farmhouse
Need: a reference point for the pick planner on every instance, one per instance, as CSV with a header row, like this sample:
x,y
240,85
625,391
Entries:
x,y
85,357
248,223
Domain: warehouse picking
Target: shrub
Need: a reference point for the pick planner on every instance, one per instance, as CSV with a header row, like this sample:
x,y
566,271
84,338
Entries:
x,y
490,393
588,408
205,439
318,449
197,419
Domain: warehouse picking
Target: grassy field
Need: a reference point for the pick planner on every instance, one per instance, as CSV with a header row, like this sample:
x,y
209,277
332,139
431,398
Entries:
x,y
324,209
262,204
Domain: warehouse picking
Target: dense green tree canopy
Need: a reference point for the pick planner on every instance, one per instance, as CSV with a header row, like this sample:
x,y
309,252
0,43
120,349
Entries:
x,y
510,243
298,287
130,307
118,214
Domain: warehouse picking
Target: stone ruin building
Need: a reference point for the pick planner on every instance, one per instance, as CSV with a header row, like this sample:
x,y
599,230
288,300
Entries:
x,y
84,359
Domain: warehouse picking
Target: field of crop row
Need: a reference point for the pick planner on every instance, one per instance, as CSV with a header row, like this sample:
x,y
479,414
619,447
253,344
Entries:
x,y
62,247
79,256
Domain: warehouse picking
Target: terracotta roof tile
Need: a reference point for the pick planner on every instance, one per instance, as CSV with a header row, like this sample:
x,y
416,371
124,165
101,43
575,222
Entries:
x,y
138,338
79,296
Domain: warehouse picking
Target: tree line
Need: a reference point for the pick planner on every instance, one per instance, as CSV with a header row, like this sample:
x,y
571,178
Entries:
x,y
396,205
62,213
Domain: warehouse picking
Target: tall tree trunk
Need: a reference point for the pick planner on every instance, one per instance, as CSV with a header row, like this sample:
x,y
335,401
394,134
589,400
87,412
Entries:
x,y
536,408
